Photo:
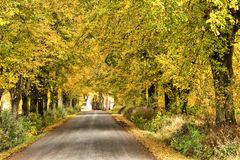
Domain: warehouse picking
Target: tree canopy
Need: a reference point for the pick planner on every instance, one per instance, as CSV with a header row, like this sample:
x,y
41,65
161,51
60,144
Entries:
x,y
134,50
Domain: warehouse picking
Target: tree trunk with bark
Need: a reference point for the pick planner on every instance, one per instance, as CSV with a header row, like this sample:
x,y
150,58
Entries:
x,y
53,98
1,93
26,97
169,96
25,104
222,71
183,96
34,99
15,94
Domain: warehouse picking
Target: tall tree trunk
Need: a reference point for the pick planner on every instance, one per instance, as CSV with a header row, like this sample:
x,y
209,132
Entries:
x,y
1,93
70,103
26,104
152,94
45,100
183,95
222,72
42,101
170,97
74,102
16,96
60,98
26,97
167,102
15,100
147,96
40,106
101,100
54,98
34,99
67,101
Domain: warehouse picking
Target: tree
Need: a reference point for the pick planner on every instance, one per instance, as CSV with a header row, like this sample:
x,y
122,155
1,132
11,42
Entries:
x,y
224,21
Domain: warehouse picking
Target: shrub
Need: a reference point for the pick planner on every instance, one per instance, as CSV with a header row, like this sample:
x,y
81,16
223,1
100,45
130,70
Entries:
x,y
73,110
5,141
58,113
127,112
78,109
33,123
12,131
36,121
189,141
48,118
70,110
153,125
138,119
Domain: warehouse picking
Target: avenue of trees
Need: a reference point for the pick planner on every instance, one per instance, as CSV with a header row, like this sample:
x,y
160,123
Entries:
x,y
37,47
135,50
131,49
141,50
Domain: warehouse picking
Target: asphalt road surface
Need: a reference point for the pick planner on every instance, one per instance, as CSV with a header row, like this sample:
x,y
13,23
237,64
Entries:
x,y
93,135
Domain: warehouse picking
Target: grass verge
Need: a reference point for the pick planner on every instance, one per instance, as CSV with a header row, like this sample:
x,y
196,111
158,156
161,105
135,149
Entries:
x,y
149,140
5,154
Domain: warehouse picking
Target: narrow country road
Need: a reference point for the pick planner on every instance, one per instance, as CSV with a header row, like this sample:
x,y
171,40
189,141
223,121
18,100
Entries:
x,y
91,136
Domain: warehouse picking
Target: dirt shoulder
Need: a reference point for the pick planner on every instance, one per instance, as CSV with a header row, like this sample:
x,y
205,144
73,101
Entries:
x,y
157,148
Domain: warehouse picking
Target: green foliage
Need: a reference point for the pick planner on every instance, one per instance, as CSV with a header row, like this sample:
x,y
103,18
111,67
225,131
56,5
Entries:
x,y
52,116
73,110
155,124
78,109
138,119
12,131
189,141
5,141
192,141
36,122
141,116
70,110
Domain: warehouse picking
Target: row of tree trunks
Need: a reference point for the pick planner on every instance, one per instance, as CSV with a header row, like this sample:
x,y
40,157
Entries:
x,y
172,94
34,100
67,101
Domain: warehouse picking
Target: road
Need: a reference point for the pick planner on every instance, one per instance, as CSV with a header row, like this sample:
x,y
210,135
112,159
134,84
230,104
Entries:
x,y
93,135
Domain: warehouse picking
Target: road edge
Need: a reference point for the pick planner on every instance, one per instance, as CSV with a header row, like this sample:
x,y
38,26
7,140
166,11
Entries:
x,y
157,148
8,153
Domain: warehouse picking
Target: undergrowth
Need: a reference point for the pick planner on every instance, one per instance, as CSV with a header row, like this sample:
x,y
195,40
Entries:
x,y
16,131
186,135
